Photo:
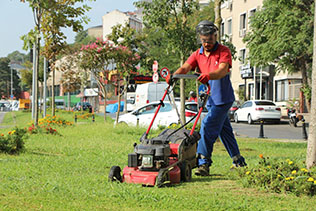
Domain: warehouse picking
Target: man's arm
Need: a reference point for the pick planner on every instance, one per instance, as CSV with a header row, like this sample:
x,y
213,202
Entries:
x,y
220,72
184,69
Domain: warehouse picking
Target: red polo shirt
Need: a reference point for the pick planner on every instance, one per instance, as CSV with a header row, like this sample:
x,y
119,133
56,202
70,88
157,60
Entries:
x,y
221,89
207,64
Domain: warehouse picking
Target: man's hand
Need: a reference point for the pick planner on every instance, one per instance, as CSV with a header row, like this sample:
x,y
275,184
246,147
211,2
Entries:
x,y
169,79
204,78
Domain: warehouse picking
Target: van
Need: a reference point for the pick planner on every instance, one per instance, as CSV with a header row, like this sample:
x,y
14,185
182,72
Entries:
x,y
149,92
130,101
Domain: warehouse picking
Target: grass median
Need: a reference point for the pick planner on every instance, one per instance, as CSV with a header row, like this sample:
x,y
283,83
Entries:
x,y
69,172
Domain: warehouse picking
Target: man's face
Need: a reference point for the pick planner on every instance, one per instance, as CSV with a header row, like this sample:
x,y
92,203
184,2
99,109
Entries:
x,y
208,41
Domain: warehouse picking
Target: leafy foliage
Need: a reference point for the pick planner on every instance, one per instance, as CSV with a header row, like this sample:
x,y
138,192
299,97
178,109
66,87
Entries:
x,y
282,33
172,18
280,176
5,75
12,143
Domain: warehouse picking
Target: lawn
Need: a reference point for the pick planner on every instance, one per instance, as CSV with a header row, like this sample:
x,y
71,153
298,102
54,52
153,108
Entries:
x,y
69,172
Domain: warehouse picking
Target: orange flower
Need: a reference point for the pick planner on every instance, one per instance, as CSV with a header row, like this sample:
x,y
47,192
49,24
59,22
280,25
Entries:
x,y
2,134
261,156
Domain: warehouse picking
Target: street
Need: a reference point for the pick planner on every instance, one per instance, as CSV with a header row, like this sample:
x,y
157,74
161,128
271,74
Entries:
x,y
274,131
271,130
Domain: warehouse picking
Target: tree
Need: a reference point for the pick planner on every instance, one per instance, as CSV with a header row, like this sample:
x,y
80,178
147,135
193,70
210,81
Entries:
x,y
5,75
18,57
172,18
281,33
311,145
96,59
218,17
50,17
126,61
72,77
128,37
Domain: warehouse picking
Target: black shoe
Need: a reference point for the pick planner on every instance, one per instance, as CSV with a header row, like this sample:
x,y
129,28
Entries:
x,y
239,161
203,170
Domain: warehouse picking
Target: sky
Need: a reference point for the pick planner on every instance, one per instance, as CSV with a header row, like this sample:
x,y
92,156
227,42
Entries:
x,y
16,19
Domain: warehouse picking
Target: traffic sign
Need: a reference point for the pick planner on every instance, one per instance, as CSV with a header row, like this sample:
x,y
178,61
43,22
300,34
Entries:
x,y
164,72
155,77
202,89
155,66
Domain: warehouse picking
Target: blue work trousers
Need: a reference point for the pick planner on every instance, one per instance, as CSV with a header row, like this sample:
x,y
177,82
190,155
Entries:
x,y
216,124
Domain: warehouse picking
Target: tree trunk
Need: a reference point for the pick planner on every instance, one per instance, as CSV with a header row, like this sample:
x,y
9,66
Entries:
x,y
304,82
125,93
41,97
118,98
69,101
36,81
218,18
311,145
53,92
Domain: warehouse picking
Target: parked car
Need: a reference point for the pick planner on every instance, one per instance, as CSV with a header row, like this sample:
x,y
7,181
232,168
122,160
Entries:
x,y
83,105
166,116
4,106
255,110
233,109
191,108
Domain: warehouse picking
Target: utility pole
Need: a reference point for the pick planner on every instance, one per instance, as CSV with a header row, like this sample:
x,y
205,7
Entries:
x,y
11,96
33,81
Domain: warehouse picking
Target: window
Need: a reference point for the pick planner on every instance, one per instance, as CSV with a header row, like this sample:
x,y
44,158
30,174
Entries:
x,y
222,29
242,56
252,12
229,26
250,91
166,108
242,21
287,89
264,103
147,110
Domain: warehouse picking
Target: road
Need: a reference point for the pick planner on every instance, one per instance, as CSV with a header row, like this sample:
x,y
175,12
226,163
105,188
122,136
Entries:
x,y
273,131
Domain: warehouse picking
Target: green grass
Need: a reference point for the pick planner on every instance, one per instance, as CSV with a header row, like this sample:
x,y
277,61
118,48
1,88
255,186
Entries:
x,y
69,172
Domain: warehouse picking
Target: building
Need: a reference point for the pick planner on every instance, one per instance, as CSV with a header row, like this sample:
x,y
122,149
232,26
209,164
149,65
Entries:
x,y
96,31
254,82
116,17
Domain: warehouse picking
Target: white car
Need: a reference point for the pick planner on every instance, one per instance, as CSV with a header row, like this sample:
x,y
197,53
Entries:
x,y
166,116
256,110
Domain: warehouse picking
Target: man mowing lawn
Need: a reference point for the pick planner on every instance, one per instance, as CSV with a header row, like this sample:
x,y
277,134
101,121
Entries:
x,y
214,61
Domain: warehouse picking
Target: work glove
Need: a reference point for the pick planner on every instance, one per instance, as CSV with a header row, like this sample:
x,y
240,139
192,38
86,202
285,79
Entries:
x,y
204,78
170,80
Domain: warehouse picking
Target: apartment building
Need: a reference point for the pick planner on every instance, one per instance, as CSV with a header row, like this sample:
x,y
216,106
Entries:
x,y
256,82
117,17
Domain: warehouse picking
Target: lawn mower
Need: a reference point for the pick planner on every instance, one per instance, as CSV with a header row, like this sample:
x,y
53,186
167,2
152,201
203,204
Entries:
x,y
166,159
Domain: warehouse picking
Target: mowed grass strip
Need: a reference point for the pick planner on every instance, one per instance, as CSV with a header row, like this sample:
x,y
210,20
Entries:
x,y
69,172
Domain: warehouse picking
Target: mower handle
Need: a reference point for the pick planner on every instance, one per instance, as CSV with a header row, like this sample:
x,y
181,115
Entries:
x,y
186,76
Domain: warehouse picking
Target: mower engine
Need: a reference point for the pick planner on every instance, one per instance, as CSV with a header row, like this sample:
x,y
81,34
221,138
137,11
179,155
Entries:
x,y
152,155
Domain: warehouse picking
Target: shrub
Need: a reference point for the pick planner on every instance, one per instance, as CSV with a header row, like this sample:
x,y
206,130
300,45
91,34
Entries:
x,y
42,129
279,176
12,143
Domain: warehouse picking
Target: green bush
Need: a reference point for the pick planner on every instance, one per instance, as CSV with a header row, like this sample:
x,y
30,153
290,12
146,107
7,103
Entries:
x,y
280,176
13,142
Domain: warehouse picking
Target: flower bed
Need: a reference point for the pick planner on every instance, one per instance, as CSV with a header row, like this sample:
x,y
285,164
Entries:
x,y
12,143
54,120
280,176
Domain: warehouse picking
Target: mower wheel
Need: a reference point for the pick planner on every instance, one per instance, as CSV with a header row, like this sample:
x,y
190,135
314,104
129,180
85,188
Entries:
x,y
186,171
163,178
115,174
